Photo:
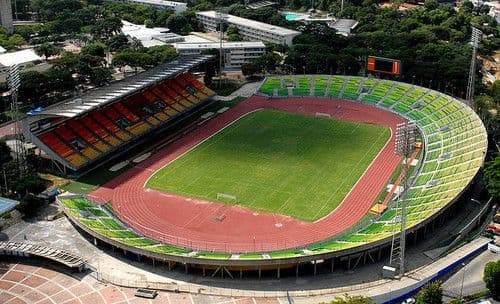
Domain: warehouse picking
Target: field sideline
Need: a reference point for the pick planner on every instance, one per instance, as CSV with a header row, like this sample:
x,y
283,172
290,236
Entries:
x,y
291,164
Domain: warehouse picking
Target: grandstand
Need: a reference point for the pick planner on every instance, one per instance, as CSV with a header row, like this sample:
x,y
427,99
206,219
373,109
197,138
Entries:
x,y
455,142
454,146
80,133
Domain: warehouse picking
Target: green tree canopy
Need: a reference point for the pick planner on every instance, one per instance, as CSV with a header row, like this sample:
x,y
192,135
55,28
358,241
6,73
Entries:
x,y
492,177
351,300
432,293
491,277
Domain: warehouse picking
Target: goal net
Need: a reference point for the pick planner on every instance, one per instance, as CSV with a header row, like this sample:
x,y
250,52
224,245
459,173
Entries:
x,y
226,197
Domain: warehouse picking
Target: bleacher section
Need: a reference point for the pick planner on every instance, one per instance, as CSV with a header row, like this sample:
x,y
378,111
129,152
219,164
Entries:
x,y
83,139
455,146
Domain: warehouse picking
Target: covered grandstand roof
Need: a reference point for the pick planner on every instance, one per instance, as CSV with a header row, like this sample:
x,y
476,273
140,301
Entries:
x,y
101,96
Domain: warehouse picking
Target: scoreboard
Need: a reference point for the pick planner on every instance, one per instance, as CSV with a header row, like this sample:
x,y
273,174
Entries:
x,y
384,65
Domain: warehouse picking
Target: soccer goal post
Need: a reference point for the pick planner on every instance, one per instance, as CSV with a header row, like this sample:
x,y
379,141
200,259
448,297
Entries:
x,y
324,115
226,197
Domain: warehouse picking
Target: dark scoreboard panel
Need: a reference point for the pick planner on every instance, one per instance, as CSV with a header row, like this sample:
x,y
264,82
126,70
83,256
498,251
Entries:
x,y
384,65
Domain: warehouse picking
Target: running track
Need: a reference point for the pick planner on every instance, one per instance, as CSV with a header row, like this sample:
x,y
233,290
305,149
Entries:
x,y
196,223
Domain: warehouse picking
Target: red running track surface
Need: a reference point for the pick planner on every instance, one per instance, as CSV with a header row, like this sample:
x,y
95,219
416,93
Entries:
x,y
204,225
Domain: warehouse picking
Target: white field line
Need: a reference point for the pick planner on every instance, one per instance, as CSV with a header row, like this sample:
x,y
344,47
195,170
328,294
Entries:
x,y
201,142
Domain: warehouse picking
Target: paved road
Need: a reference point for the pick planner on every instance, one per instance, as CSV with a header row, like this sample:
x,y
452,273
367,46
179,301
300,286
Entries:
x,y
472,275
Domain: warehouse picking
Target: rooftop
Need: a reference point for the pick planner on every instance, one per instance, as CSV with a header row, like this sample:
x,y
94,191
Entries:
x,y
101,96
7,205
225,45
278,30
160,2
8,59
2,50
148,36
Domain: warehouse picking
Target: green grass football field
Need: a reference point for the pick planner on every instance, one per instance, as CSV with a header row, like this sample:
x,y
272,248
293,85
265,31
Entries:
x,y
284,163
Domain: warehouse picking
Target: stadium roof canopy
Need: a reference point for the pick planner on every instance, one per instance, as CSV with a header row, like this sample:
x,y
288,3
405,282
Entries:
x,y
101,96
2,50
9,59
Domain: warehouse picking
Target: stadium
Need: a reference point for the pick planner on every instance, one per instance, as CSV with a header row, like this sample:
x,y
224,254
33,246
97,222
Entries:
x,y
284,181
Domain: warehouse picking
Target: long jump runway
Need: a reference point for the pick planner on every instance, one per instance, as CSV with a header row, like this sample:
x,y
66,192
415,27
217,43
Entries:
x,y
204,225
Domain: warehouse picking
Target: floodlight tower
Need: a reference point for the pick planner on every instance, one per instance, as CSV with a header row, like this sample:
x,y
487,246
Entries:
x,y
405,140
14,82
221,16
476,36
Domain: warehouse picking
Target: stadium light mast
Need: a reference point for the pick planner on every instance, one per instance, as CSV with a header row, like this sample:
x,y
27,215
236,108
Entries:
x,y
405,140
475,37
14,82
221,16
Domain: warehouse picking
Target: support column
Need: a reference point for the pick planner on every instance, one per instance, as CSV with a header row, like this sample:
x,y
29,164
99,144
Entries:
x,y
278,272
186,266
297,271
333,264
169,266
416,237
241,273
379,255
260,273
348,262
314,263
203,271
154,262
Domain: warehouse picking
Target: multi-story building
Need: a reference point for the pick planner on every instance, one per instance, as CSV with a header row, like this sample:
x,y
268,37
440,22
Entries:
x,y
178,7
6,15
249,29
234,53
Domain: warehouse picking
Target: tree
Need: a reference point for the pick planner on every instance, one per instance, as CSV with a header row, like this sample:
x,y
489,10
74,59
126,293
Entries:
x,y
117,42
352,300
162,53
431,293
176,23
47,49
95,49
492,177
251,68
491,277
5,153
100,76
494,91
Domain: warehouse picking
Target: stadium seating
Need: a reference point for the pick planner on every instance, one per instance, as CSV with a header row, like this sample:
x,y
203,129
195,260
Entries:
x,y
455,147
320,85
84,139
98,219
455,143
304,86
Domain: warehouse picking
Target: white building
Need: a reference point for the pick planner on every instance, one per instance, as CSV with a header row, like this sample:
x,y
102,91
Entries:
x,y
494,10
150,36
235,53
178,7
249,29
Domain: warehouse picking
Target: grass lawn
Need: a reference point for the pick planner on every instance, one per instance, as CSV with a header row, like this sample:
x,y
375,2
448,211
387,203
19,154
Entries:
x,y
279,162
